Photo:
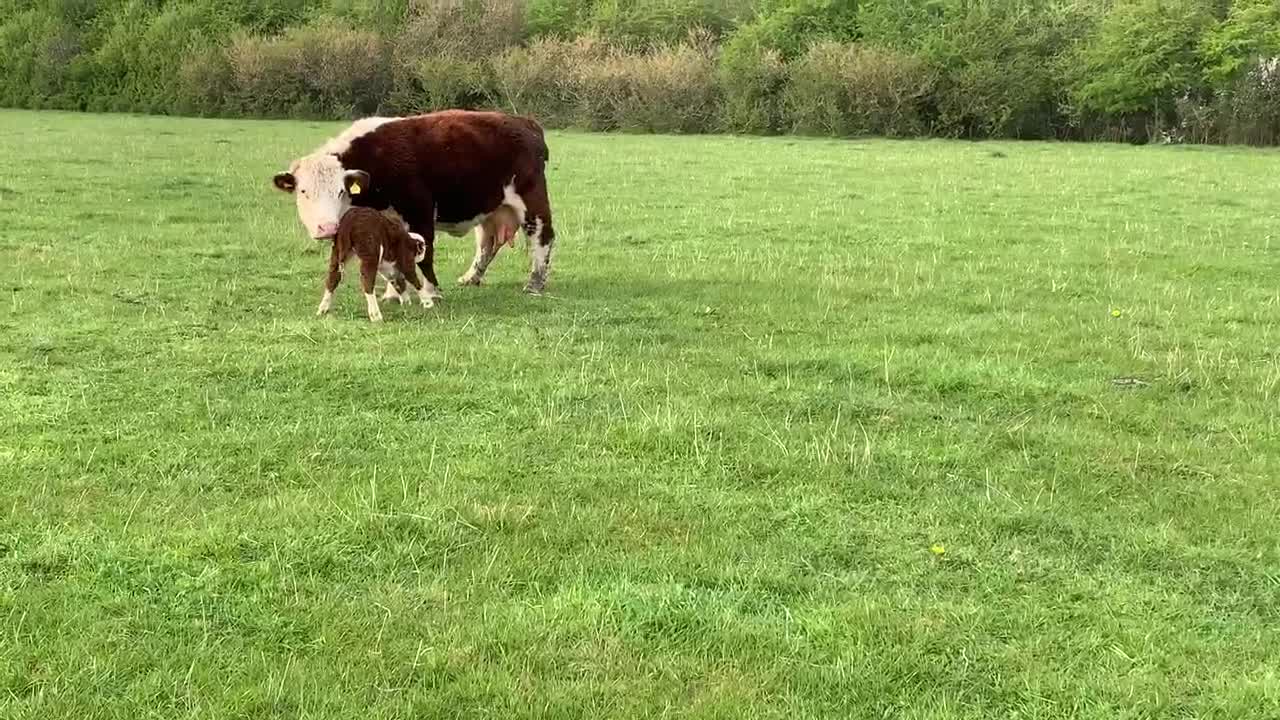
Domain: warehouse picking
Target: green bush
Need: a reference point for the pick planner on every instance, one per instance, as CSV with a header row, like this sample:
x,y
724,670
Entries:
x,y
855,90
999,63
1142,58
135,69
322,70
206,85
752,79
443,55
44,62
792,26
639,24
440,82
1251,30
559,19
1251,107
668,90
636,24
542,79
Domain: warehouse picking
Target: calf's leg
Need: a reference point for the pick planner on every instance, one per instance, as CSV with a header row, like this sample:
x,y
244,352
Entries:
x,y
410,273
423,223
330,283
369,275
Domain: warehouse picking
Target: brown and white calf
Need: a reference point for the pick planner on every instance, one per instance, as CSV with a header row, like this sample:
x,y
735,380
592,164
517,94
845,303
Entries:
x,y
452,170
382,245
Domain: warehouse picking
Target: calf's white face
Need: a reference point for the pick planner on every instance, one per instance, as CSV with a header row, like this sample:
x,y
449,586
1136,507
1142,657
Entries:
x,y
420,246
322,189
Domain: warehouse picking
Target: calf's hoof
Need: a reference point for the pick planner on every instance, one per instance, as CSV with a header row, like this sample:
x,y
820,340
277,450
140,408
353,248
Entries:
x,y
468,280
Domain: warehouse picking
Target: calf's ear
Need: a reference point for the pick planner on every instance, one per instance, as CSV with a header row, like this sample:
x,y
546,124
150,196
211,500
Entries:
x,y
285,181
355,181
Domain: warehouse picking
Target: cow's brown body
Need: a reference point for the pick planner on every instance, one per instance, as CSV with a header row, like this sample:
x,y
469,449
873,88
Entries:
x,y
381,245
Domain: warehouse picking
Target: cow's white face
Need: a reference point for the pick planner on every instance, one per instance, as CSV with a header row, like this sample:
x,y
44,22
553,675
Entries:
x,y
322,189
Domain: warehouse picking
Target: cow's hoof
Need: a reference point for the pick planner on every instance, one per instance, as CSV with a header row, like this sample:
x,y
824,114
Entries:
x,y
532,289
375,317
468,280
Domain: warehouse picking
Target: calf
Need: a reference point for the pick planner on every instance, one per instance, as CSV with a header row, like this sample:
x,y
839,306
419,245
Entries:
x,y
383,246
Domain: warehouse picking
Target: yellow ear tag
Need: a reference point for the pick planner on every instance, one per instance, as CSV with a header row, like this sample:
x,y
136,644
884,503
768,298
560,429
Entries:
x,y
355,188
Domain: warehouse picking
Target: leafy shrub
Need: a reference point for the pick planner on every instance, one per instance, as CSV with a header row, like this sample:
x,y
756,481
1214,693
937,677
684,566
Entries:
x,y
670,90
206,85
1142,58
43,60
134,69
792,26
559,19
443,55
324,70
474,29
639,24
541,80
856,89
1250,31
1252,105
1000,69
440,82
752,79
636,24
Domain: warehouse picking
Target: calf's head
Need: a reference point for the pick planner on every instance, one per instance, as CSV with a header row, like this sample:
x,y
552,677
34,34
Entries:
x,y
322,188
419,246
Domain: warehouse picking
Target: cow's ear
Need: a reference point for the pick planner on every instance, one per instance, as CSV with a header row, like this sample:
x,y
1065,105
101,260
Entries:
x,y
285,181
356,181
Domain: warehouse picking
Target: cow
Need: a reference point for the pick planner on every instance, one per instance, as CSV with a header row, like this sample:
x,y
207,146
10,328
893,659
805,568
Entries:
x,y
382,245
453,170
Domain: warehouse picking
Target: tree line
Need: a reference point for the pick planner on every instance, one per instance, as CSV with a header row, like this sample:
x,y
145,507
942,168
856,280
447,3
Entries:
x,y
1134,70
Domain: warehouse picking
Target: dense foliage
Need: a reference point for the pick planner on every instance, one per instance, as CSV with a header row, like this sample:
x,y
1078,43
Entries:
x,y
1189,70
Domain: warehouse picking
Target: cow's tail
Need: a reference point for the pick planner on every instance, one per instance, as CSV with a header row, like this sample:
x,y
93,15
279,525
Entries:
x,y
541,135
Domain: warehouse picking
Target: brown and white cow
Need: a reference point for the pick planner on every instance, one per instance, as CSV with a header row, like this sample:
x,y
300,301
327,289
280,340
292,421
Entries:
x,y
453,170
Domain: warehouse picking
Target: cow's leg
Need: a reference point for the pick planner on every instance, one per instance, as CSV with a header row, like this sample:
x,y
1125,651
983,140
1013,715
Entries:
x,y
330,282
423,223
541,234
486,248
414,277
368,276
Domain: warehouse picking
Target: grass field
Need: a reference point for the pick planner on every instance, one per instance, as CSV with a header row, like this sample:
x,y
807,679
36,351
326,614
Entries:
x,y
803,429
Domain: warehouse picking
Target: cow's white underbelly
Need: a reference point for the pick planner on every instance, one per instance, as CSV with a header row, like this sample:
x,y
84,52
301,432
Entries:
x,y
459,229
